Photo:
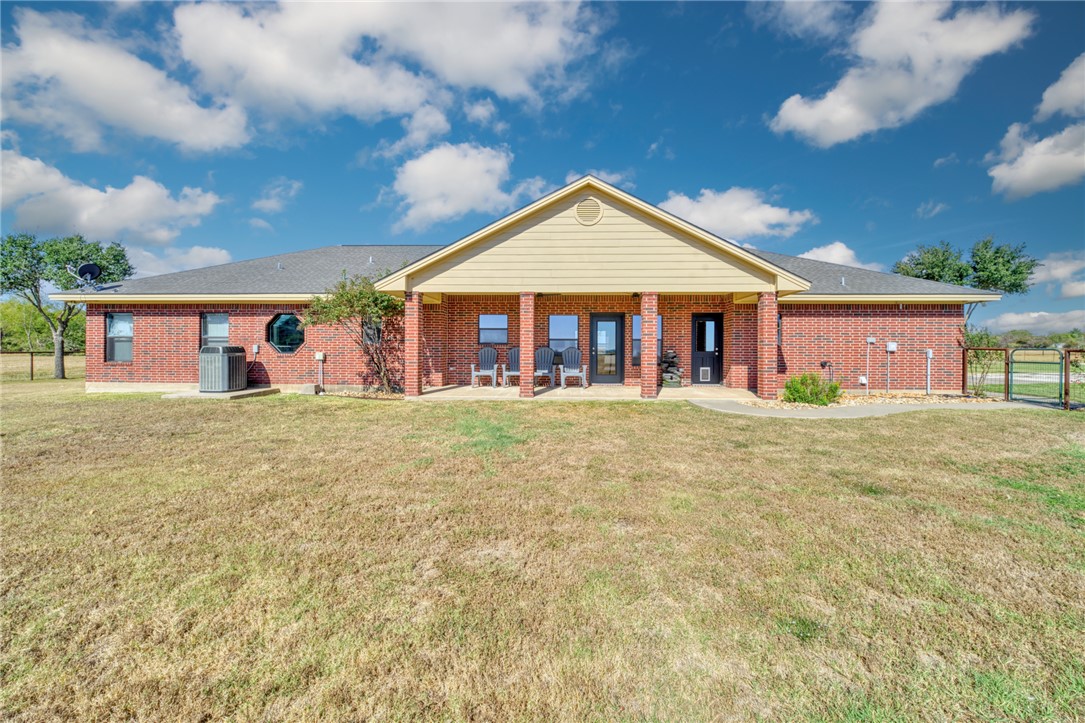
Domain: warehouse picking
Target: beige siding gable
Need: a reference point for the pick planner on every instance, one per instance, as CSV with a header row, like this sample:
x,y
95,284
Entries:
x,y
625,251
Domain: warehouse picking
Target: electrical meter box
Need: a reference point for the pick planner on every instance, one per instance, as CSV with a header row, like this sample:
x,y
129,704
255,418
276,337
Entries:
x,y
890,346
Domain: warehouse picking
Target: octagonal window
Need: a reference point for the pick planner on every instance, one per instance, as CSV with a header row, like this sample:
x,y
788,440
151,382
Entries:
x,y
285,333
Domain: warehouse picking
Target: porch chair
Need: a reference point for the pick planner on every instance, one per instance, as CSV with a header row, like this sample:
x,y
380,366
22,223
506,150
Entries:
x,y
512,368
487,366
544,364
571,368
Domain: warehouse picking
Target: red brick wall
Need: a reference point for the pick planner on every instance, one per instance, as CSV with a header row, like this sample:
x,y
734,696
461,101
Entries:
x,y
768,351
837,332
166,341
167,338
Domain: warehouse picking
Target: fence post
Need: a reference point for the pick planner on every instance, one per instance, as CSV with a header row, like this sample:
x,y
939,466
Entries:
x,y
1066,379
31,365
964,372
1006,374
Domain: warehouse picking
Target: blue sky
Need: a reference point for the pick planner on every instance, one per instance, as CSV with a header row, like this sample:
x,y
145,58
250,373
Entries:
x,y
198,134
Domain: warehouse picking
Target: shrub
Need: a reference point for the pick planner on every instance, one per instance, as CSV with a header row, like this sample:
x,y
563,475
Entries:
x,y
811,389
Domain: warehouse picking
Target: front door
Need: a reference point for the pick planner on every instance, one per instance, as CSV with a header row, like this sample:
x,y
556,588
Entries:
x,y
607,362
706,356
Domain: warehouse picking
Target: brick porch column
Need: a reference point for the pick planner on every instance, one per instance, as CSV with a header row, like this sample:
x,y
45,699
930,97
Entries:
x,y
649,326
412,344
527,344
767,382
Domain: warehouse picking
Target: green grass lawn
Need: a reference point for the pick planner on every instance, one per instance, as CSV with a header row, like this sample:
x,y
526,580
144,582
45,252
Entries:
x,y
287,558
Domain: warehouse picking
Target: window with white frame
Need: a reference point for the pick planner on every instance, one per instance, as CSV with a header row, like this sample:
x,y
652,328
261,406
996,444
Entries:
x,y
493,328
118,337
214,329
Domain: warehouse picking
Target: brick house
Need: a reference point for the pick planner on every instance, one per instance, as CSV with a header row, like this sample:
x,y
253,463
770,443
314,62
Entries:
x,y
587,266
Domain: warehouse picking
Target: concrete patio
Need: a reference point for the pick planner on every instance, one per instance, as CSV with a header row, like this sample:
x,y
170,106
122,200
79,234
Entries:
x,y
596,392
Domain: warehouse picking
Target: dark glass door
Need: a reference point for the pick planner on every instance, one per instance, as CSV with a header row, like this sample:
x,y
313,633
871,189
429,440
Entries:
x,y
607,361
706,357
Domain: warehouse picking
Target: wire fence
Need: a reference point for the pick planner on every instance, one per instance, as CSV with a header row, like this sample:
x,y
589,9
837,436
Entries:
x,y
23,366
1048,376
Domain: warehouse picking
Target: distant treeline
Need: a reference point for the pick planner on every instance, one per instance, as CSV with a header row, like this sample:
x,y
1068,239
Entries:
x,y
22,328
1073,339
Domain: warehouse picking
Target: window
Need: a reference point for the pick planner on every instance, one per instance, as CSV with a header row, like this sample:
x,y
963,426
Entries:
x,y
285,333
779,330
637,336
118,337
214,329
371,331
493,328
563,333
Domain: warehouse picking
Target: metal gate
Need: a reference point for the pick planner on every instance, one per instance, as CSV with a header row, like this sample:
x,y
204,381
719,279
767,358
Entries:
x,y
1036,375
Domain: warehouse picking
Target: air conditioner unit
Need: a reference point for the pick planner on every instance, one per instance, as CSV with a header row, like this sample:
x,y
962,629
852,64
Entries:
x,y
223,369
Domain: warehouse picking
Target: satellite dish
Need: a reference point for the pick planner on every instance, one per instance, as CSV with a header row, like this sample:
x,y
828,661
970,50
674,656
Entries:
x,y
89,272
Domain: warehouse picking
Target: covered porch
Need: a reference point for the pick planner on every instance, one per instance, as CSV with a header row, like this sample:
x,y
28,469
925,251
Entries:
x,y
715,345
593,268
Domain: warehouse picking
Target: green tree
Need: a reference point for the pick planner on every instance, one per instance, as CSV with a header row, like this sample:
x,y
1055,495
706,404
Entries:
x,y
364,313
981,363
1004,268
26,264
1073,339
23,329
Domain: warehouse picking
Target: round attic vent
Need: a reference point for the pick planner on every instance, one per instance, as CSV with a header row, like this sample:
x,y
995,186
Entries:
x,y
588,212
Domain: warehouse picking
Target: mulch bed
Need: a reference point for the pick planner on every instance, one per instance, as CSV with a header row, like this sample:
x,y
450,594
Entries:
x,y
368,394
856,400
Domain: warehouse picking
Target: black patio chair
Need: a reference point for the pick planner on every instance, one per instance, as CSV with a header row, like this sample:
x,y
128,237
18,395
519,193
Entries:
x,y
571,368
513,366
487,366
544,364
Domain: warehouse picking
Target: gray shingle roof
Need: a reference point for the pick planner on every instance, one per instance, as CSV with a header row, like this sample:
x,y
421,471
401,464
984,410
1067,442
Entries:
x,y
301,272
315,270
824,278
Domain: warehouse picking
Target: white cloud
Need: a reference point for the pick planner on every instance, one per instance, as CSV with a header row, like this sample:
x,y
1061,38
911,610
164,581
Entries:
x,y
481,112
623,179
424,126
930,209
1039,322
839,253
1024,164
907,58
75,82
516,51
44,200
1028,165
295,59
806,19
1066,268
303,59
450,181
1059,267
261,224
1067,94
277,193
737,213
1072,290
148,263
660,148
949,160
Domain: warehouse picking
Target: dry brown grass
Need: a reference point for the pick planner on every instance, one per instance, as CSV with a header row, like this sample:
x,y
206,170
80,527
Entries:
x,y
286,558
16,367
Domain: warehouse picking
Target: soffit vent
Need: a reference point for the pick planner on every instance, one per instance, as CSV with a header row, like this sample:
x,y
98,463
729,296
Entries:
x,y
588,212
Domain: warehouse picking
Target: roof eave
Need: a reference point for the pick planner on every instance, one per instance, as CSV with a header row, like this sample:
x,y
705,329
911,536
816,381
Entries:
x,y
964,298
123,298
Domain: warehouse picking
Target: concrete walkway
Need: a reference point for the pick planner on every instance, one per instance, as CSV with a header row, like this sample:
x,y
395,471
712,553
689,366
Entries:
x,y
596,392
239,394
861,410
